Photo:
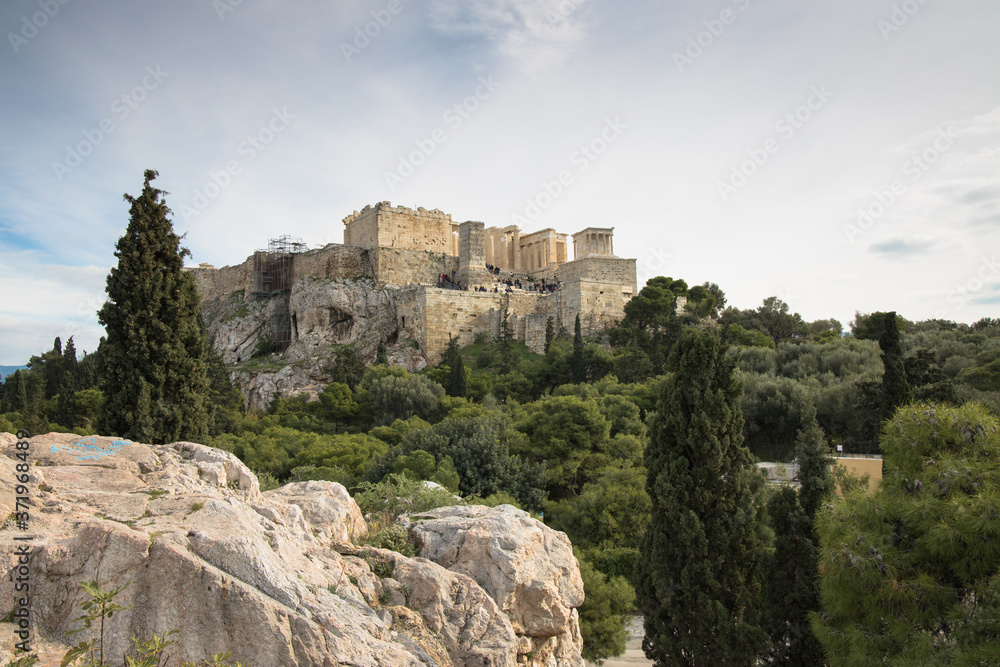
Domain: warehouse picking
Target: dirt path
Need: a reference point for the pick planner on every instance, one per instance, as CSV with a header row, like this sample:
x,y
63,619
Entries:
x,y
633,657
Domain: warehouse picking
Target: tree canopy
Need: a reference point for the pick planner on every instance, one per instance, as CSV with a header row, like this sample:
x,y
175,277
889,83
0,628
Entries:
x,y
154,372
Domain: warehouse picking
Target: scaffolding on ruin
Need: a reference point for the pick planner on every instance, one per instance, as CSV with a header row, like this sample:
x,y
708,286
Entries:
x,y
273,275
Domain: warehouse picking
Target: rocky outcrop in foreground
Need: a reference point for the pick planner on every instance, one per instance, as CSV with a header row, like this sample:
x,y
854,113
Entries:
x,y
278,578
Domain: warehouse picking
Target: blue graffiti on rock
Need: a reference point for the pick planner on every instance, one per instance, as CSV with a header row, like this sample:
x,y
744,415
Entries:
x,y
90,449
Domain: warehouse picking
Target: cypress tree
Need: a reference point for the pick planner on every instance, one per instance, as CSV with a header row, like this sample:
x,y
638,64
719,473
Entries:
x,y
505,346
578,368
66,405
153,367
791,586
51,368
697,578
550,333
69,358
381,356
458,384
16,394
814,465
895,388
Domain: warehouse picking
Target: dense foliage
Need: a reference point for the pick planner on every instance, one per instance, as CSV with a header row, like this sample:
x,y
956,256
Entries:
x,y
697,578
565,434
910,572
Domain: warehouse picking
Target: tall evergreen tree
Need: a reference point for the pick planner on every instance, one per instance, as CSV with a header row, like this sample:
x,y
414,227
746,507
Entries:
x,y
791,585
381,356
70,363
814,459
550,333
578,367
86,371
791,582
225,398
16,393
895,388
66,406
457,384
505,346
153,368
697,578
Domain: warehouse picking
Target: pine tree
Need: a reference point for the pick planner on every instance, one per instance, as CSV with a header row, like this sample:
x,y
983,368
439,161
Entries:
x,y
909,570
697,578
153,367
457,384
578,368
895,388
550,333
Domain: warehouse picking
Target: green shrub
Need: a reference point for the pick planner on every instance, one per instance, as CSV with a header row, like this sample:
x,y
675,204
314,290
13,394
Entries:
x,y
393,538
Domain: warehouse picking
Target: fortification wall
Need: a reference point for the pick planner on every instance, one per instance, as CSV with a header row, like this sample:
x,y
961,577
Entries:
x,y
361,229
601,269
332,261
219,283
388,226
430,314
395,266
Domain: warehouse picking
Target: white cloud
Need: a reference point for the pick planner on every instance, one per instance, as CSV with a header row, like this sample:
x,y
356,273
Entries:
x,y
537,34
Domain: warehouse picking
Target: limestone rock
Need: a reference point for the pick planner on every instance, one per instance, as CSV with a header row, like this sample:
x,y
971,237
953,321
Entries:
x,y
528,568
274,578
323,314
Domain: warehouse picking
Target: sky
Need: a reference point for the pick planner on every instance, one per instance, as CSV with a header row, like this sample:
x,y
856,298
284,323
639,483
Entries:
x,y
843,156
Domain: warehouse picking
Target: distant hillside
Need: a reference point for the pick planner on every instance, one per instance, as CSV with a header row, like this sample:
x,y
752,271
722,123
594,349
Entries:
x,y
9,370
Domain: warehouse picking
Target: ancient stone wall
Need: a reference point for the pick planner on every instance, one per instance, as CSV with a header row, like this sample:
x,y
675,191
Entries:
x,y
602,269
403,267
431,314
219,283
361,229
388,226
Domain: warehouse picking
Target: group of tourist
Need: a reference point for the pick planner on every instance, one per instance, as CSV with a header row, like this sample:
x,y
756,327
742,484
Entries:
x,y
510,283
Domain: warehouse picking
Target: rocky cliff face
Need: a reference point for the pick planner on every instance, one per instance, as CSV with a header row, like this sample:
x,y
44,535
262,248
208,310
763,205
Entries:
x,y
322,315
277,578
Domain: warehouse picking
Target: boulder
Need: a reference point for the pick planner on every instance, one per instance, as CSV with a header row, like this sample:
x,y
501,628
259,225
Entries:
x,y
275,578
525,566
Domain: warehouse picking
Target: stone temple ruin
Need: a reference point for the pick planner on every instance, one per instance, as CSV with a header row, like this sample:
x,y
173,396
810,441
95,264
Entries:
x,y
446,278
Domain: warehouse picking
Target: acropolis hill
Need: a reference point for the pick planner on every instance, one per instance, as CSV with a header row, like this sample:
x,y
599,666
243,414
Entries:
x,y
410,278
